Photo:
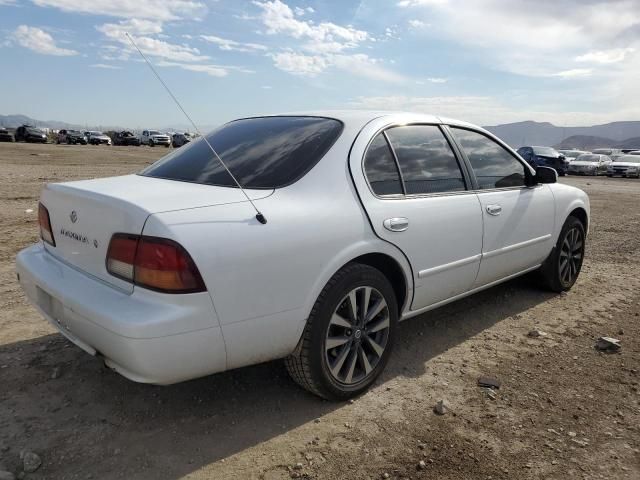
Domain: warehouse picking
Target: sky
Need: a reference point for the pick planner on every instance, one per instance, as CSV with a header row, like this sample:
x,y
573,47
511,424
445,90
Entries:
x,y
569,62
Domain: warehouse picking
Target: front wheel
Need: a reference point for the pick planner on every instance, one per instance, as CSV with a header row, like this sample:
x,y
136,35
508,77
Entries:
x,y
561,269
151,144
349,335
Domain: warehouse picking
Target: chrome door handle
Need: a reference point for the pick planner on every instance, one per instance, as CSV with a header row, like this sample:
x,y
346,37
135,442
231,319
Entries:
x,y
396,224
494,209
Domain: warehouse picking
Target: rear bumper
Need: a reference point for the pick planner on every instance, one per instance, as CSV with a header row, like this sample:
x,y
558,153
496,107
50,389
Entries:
x,y
146,336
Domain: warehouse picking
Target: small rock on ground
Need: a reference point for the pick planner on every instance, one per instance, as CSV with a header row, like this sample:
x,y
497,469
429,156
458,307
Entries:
x,y
30,461
608,344
441,407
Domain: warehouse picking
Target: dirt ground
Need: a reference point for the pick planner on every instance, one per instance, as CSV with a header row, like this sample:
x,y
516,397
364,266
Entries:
x,y
564,410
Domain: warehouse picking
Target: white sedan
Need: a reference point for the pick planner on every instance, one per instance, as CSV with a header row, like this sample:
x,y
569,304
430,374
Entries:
x,y
369,218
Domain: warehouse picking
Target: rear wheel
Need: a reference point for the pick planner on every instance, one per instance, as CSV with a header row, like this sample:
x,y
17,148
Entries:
x,y
562,268
349,335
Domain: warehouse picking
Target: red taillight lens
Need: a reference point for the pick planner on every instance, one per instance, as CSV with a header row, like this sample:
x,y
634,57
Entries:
x,y
155,263
46,233
121,255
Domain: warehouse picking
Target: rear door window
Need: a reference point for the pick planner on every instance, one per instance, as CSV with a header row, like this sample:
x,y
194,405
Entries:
x,y
493,165
262,153
380,168
427,163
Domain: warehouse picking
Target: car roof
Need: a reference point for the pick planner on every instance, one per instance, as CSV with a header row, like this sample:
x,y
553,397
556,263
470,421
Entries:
x,y
359,118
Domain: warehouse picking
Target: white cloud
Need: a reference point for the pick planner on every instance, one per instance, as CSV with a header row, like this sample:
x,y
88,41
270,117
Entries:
x,y
300,64
7,2
139,30
420,3
160,10
358,64
431,80
322,37
39,41
324,45
105,66
614,55
418,24
533,38
211,70
574,72
232,45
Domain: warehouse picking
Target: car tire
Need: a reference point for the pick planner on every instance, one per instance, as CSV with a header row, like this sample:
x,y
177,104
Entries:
x,y
562,267
362,342
151,144
609,175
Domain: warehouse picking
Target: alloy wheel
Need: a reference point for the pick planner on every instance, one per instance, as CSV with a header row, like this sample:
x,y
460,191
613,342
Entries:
x,y
571,254
357,335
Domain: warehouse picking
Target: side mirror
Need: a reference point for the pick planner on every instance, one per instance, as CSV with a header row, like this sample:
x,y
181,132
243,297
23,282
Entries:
x,y
545,175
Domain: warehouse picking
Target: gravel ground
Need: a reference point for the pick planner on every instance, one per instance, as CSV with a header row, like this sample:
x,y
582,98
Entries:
x,y
564,410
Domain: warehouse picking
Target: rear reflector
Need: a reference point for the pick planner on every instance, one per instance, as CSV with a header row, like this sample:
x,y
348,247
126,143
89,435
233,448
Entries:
x,y
46,233
156,263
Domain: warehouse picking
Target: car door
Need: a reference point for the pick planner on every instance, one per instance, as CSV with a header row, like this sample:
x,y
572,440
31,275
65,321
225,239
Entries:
x,y
418,200
518,220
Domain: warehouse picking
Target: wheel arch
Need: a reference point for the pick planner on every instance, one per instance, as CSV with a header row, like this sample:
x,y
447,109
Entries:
x,y
581,214
392,270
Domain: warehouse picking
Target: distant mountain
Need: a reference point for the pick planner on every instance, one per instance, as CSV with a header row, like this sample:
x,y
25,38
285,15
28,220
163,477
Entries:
x,y
12,121
585,142
544,133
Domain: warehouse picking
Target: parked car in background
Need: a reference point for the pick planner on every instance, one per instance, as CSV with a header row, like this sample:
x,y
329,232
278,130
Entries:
x,y
544,157
571,155
612,153
625,166
154,137
126,138
629,150
29,133
98,138
589,164
5,135
180,139
368,219
634,152
71,137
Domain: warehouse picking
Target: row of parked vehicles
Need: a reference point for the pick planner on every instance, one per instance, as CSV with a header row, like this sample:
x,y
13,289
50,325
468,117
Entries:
x,y
29,133
611,162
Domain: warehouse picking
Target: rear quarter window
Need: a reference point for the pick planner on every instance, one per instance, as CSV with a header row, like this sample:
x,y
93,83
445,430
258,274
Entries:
x,y
262,153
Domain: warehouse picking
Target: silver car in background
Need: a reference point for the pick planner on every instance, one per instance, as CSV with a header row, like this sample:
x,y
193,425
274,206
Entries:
x,y
589,164
625,166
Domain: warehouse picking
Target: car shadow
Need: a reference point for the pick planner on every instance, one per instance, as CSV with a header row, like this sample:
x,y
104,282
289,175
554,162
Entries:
x,y
85,419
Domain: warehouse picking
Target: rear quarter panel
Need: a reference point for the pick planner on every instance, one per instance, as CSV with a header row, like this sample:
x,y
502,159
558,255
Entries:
x,y
264,279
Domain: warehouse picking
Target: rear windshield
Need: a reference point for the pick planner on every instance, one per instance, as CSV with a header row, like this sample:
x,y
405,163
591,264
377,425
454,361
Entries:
x,y
589,158
264,152
545,151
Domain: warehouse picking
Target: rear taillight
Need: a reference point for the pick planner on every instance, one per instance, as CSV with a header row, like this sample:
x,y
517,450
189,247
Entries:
x,y
46,233
156,263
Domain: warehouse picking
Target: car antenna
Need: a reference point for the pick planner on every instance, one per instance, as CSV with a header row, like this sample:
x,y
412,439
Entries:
x,y
259,216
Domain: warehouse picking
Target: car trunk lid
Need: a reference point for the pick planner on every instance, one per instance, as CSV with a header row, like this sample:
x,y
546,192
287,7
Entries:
x,y
84,215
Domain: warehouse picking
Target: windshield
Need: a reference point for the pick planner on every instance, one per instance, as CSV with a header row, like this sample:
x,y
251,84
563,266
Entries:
x,y
154,132
603,151
34,130
264,152
546,151
588,158
93,132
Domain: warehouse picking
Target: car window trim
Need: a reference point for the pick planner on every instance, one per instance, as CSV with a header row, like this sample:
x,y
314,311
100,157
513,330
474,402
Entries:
x,y
396,161
404,196
527,168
